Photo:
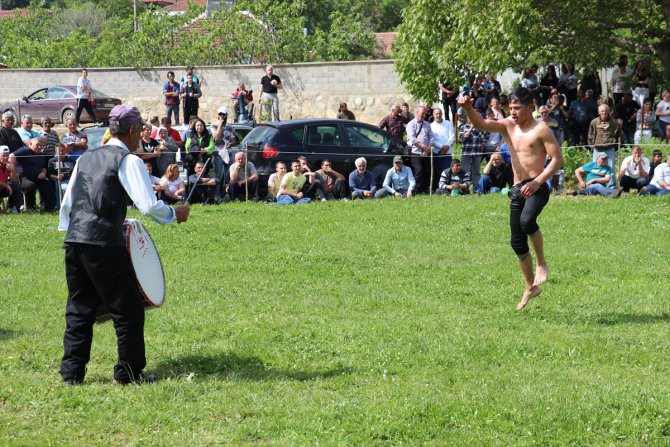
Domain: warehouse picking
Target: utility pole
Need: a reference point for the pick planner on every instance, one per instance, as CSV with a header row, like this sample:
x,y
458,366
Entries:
x,y
134,15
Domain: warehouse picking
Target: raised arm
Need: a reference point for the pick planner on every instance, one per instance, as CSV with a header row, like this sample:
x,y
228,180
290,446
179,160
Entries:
x,y
480,123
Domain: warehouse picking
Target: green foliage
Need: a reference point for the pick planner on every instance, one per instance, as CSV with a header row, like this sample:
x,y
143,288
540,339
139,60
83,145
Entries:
x,y
574,157
379,323
87,18
348,38
493,35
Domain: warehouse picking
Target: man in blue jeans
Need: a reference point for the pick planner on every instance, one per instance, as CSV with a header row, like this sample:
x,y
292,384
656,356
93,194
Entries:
x,y
598,174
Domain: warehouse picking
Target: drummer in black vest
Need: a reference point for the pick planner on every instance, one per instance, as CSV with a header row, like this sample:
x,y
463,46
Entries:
x,y
97,265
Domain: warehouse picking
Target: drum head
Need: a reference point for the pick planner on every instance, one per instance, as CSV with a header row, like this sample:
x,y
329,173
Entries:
x,y
146,262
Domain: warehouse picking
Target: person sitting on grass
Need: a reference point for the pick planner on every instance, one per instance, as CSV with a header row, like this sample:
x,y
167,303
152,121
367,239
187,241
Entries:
x,y
333,183
634,171
399,181
660,184
454,181
598,175
274,182
156,184
361,181
174,188
496,175
204,186
290,190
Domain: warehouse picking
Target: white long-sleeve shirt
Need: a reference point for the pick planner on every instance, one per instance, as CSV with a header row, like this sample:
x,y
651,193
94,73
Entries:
x,y
134,178
443,133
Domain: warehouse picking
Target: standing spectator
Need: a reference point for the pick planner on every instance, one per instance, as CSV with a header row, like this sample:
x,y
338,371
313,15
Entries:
x,y
8,136
443,141
634,171
663,115
10,185
558,112
605,137
493,140
641,77
660,183
75,140
620,80
454,181
496,175
448,96
270,83
598,175
473,150
361,181
59,170
190,94
26,131
274,181
581,114
420,140
529,81
174,190
591,81
548,83
84,97
491,87
394,122
34,175
190,71
202,187
626,112
51,136
171,91
243,102
404,111
399,181
243,179
292,184
568,83
645,119
333,183
343,113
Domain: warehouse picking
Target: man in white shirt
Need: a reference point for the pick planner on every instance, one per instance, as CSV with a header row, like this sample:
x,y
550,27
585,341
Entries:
x,y
443,140
98,269
634,171
84,97
660,184
620,80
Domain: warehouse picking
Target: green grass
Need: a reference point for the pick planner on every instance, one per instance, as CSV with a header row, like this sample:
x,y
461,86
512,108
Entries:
x,y
363,323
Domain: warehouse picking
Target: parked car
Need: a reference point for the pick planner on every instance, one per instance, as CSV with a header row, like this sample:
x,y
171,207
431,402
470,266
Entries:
x,y
340,141
58,103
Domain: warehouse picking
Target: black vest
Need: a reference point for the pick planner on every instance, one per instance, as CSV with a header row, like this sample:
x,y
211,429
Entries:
x,y
99,201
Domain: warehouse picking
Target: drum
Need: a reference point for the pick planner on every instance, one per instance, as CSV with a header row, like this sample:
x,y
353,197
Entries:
x,y
147,265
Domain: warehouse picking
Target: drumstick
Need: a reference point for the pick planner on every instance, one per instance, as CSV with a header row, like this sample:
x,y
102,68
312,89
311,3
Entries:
x,y
196,181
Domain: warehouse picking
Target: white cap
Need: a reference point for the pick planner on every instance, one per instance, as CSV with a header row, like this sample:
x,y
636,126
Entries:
x,y
223,110
4,150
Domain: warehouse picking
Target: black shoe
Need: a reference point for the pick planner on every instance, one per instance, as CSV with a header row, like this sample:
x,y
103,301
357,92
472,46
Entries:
x,y
142,378
643,192
616,192
71,381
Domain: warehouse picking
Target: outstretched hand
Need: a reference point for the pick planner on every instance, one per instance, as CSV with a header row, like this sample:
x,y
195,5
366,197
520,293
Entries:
x,y
465,100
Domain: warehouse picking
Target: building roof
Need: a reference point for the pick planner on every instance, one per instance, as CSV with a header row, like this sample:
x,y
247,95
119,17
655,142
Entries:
x,y
384,44
182,5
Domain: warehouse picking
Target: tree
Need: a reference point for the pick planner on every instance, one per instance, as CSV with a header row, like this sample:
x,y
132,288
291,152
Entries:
x,y
493,35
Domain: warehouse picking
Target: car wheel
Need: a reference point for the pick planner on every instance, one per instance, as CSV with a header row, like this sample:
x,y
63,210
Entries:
x,y
67,114
17,123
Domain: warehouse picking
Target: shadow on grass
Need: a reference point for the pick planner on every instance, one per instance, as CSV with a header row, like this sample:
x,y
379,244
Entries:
x,y
6,334
232,367
624,318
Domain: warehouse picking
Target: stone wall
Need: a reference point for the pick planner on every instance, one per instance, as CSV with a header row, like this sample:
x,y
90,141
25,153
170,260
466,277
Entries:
x,y
311,90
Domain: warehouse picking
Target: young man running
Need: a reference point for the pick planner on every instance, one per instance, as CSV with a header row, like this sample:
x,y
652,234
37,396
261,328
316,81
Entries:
x,y
529,143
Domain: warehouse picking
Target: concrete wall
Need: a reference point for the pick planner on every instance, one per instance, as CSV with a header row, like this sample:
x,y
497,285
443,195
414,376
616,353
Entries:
x,y
311,90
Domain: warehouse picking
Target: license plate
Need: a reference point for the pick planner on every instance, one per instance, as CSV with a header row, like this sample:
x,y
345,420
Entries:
x,y
109,105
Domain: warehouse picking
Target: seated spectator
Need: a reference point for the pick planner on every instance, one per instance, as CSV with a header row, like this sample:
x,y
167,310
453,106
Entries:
x,y
663,115
51,136
660,184
504,153
634,171
454,181
199,145
667,134
32,167
10,185
174,189
313,188
496,175
224,139
598,175
274,181
156,184
333,183
292,184
399,181
172,132
656,159
167,148
149,149
26,131
343,113
75,140
645,119
8,136
473,149
243,179
59,170
204,186
361,181
243,102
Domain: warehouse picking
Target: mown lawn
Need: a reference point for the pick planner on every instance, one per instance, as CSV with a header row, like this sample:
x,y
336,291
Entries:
x,y
360,323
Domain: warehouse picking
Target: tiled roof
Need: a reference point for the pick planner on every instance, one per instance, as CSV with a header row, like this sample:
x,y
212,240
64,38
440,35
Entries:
x,y
384,44
182,5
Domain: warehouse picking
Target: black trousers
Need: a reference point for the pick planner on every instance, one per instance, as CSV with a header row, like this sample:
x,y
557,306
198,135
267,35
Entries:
x,y
46,189
421,168
523,215
83,103
102,275
238,192
191,106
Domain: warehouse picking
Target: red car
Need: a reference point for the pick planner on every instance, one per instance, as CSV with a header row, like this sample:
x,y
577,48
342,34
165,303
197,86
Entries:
x,y
58,103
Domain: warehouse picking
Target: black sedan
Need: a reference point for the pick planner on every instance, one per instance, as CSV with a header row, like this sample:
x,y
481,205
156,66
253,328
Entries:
x,y
58,103
340,141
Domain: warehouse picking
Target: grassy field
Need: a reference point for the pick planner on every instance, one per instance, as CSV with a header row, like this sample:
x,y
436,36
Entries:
x,y
378,323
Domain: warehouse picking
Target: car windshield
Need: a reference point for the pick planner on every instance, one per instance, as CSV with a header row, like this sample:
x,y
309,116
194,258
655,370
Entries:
x,y
259,135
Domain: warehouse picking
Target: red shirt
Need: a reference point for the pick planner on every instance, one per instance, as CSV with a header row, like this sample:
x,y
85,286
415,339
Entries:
x,y
173,133
4,173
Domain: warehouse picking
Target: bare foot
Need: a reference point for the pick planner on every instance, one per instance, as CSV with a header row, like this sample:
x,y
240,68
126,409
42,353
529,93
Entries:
x,y
527,296
541,273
